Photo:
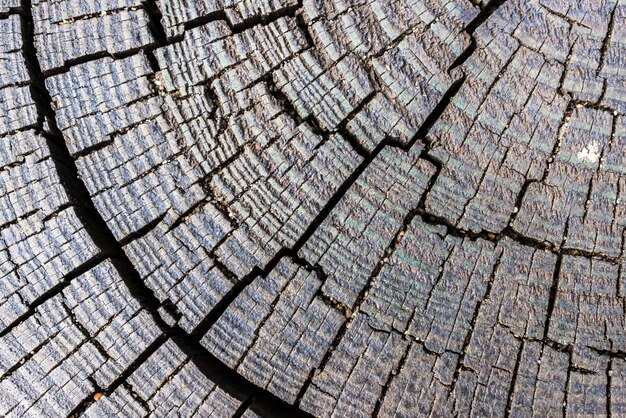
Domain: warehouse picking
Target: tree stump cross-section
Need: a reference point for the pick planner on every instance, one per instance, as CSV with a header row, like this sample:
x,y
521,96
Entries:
x,y
255,208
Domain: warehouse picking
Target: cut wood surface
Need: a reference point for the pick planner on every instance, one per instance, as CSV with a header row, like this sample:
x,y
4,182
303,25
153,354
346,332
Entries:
x,y
258,208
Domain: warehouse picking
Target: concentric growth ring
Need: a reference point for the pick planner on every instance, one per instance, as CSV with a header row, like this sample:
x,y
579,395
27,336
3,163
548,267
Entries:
x,y
325,207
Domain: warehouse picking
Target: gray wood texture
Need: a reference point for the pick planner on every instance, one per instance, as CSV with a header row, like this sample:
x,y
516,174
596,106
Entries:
x,y
334,208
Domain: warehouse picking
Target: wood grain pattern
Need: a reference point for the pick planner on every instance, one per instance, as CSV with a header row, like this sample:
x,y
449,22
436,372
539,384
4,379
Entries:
x,y
312,208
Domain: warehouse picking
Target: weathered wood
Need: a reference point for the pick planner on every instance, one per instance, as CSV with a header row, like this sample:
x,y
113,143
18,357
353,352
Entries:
x,y
318,207
291,330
